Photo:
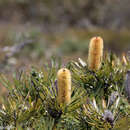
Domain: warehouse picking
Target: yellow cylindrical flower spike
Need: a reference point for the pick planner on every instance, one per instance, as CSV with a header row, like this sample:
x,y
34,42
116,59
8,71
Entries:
x,y
64,86
95,53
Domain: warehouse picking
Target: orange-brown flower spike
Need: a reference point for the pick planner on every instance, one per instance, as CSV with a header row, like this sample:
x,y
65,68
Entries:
x,y
64,86
95,53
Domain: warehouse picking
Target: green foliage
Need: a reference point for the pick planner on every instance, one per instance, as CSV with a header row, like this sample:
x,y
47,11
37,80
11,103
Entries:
x,y
108,79
32,98
106,84
73,46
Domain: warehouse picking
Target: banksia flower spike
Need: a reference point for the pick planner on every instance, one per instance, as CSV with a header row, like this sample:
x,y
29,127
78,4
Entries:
x,y
64,86
95,53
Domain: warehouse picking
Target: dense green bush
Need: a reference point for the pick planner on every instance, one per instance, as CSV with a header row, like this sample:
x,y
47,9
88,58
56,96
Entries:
x,y
98,100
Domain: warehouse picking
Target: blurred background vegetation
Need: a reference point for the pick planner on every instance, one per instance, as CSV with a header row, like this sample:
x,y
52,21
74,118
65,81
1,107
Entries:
x,y
60,27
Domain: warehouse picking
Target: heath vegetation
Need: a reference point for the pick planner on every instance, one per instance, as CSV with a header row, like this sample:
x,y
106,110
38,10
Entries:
x,y
92,94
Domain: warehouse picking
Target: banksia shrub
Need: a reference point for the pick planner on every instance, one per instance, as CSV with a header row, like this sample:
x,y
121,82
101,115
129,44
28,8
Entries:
x,y
104,88
47,100
95,53
64,86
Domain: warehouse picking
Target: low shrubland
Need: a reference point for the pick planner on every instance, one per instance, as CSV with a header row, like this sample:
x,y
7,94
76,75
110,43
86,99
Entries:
x,y
92,94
